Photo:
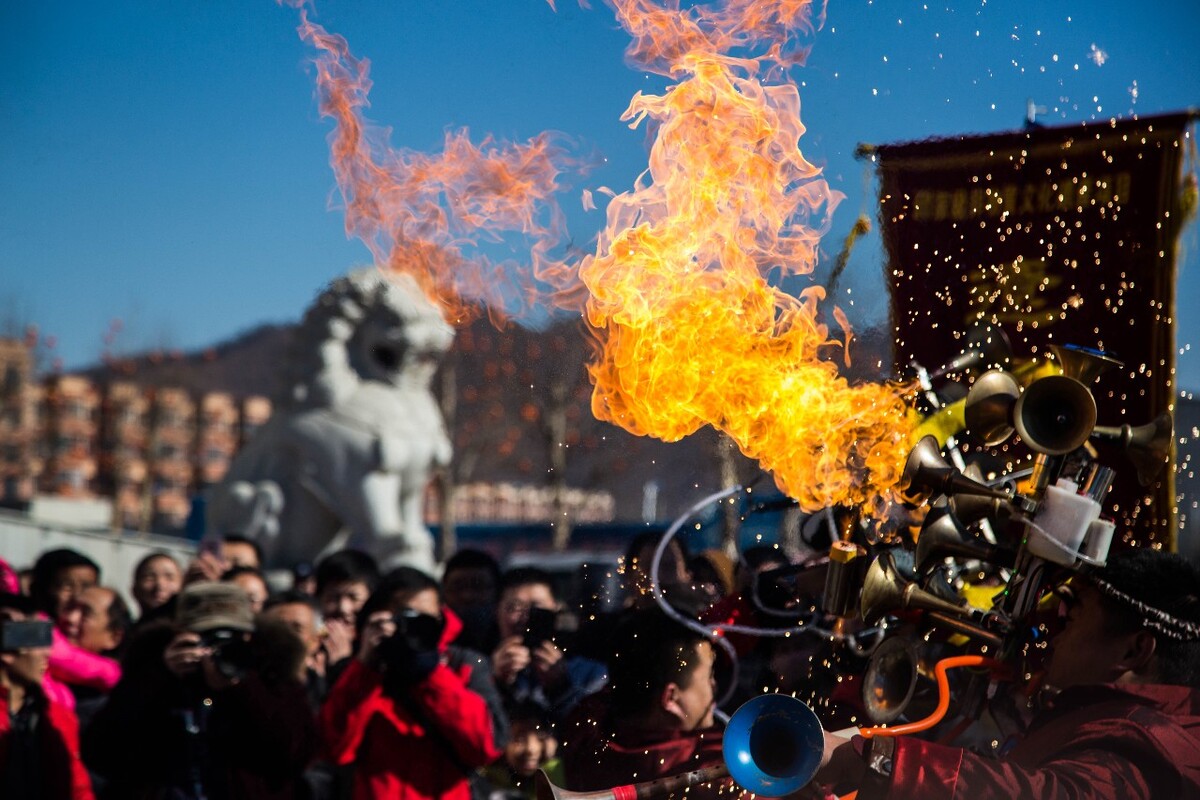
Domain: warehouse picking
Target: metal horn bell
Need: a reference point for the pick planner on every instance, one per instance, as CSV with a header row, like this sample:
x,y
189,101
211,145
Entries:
x,y
1055,415
943,536
1083,363
986,344
1148,446
927,473
988,410
884,591
891,681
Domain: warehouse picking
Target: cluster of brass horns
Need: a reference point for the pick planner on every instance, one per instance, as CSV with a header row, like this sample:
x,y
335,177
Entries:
x,y
1056,414
885,591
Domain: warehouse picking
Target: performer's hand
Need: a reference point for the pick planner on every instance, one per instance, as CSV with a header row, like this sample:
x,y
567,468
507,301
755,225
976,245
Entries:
x,y
510,658
841,765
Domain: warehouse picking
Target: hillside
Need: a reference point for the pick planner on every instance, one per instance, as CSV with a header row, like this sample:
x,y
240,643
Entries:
x,y
503,383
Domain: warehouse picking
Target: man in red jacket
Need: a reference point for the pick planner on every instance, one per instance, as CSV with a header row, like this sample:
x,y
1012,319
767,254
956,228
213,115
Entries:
x,y
415,714
655,719
39,739
1121,718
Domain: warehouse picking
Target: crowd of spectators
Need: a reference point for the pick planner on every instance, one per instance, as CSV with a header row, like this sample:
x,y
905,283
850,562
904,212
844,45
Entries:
x,y
354,682
347,681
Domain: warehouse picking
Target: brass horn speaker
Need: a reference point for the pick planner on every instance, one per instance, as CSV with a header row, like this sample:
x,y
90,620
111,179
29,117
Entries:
x,y
927,473
1147,446
772,746
1083,363
1055,415
988,410
968,508
986,344
892,680
944,536
885,591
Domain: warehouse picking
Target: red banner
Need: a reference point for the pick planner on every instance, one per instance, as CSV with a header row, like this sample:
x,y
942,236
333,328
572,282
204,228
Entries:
x,y
1061,236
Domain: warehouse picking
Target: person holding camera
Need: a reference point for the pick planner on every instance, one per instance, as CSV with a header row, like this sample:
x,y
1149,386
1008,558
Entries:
x,y
39,738
415,714
209,707
531,665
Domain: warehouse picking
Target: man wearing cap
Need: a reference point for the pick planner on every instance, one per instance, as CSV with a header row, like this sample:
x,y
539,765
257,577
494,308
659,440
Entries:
x,y
1121,705
209,706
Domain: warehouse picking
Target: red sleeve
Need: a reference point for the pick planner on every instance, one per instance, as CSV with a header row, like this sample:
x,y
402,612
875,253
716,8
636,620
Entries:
x,y
347,710
460,715
1118,762
67,725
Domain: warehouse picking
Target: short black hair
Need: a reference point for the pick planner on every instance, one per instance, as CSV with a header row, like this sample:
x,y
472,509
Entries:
x,y
347,566
46,569
237,538
120,618
234,572
469,558
1160,592
648,651
292,597
20,603
528,576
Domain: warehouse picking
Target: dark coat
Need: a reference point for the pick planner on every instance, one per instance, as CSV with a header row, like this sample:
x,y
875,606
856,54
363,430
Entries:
x,y
1111,742
158,734
599,751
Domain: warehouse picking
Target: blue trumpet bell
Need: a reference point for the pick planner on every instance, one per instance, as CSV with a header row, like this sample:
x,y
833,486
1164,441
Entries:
x,y
773,745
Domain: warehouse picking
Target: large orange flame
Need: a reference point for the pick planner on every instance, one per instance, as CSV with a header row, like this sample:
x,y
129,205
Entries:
x,y
691,332
425,215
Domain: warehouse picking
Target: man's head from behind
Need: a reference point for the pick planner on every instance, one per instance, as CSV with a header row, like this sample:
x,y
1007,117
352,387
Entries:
x,y
1137,620
471,580
661,673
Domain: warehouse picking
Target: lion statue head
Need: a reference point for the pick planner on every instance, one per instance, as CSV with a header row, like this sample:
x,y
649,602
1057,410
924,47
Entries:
x,y
365,326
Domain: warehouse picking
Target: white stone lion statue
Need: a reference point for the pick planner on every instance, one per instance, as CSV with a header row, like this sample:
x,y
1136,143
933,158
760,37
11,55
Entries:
x,y
346,455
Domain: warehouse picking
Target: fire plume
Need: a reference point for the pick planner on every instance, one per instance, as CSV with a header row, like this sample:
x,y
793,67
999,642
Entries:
x,y
424,215
690,331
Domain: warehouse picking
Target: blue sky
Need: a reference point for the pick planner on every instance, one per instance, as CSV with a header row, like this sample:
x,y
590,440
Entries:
x,y
164,162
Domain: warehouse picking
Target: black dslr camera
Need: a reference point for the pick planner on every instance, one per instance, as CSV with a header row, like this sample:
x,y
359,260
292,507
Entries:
x,y
415,633
230,651
411,652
